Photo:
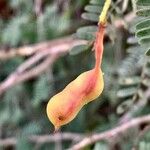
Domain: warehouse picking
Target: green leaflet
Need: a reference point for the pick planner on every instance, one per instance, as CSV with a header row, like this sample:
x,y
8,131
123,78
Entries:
x,y
93,8
124,106
87,33
87,29
145,40
143,32
126,92
91,13
143,27
99,2
78,49
130,81
143,2
143,24
144,12
90,17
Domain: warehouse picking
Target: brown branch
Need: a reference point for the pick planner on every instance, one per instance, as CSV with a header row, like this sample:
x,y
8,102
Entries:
x,y
111,133
16,77
49,53
40,51
84,141
32,49
41,139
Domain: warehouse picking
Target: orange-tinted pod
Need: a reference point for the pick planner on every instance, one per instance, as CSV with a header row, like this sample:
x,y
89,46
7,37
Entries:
x,y
64,106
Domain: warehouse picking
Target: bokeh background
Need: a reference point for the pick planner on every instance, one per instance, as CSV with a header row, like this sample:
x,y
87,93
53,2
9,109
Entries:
x,y
29,28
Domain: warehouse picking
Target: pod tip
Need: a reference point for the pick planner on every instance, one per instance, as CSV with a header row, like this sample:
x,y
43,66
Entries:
x,y
56,129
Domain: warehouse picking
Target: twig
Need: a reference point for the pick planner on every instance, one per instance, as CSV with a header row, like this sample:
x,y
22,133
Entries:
x,y
58,143
16,77
26,70
32,49
111,133
40,139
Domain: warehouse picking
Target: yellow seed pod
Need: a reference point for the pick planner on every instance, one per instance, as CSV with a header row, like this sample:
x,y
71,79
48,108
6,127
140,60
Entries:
x,y
64,106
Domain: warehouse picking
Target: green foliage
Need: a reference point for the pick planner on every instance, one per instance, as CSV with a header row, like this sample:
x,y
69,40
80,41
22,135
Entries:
x,y
31,128
10,105
130,82
126,70
142,28
24,144
40,95
16,27
88,32
78,49
144,145
25,29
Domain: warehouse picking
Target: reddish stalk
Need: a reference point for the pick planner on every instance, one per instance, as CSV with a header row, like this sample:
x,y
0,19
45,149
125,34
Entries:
x,y
99,46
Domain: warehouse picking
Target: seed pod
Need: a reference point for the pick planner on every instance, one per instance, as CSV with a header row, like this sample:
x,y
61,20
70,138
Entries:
x,y
64,106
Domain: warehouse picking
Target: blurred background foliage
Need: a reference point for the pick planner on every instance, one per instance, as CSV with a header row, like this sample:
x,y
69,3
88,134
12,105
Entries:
x,y
125,65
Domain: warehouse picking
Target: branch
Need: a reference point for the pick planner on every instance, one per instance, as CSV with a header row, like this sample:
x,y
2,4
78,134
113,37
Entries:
x,y
48,53
85,141
111,133
41,139
32,49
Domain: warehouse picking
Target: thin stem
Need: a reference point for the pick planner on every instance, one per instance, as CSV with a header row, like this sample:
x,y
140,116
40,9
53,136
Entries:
x,y
99,46
103,15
